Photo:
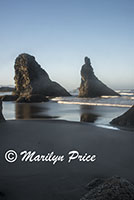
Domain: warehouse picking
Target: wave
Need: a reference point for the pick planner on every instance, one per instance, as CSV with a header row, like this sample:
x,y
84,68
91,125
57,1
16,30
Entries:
x,y
127,93
107,97
126,100
95,104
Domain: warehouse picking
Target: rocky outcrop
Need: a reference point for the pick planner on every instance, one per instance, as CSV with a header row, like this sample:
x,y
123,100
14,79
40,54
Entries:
x,y
35,98
91,86
9,97
1,115
25,99
125,120
31,79
112,188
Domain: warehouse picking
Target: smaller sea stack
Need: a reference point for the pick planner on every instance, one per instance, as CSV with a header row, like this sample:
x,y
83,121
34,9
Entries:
x,y
91,86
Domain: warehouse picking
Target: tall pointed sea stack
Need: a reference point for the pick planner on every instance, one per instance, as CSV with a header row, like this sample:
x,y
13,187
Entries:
x,y
31,79
91,86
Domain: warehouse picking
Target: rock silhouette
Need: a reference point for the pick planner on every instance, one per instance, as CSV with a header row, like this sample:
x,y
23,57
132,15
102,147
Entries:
x,y
126,120
31,79
111,188
35,98
91,86
9,97
1,115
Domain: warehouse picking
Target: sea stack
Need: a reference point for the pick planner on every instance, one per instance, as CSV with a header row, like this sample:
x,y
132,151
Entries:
x,y
1,115
110,188
125,120
91,86
31,79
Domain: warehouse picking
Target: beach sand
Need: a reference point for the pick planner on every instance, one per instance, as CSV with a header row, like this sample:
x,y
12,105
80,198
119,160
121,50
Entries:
x,y
62,181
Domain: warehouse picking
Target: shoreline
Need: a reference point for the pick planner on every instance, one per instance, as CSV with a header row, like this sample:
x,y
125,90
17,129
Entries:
x,y
97,115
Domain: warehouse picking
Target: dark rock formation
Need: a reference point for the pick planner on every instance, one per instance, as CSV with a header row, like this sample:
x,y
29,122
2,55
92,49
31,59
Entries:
x,y
1,115
126,120
91,86
115,188
9,97
32,99
31,79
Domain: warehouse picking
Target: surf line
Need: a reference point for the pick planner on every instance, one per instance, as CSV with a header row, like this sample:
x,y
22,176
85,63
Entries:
x,y
95,104
32,156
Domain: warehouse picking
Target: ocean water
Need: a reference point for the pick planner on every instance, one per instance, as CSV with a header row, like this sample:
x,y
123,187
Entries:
x,y
99,111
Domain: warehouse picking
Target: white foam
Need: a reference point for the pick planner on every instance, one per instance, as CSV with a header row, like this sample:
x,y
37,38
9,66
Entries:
x,y
106,97
95,104
127,93
108,127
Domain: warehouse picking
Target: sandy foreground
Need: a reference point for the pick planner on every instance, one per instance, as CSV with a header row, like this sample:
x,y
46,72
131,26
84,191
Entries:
x,y
41,180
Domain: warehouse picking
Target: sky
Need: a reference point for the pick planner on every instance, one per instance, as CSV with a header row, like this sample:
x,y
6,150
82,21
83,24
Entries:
x,y
60,33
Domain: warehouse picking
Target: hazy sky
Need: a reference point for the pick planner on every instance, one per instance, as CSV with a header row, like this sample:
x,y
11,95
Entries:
x,y
60,33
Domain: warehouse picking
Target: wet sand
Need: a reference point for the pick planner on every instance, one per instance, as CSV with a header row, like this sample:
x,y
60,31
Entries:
x,y
43,180
101,115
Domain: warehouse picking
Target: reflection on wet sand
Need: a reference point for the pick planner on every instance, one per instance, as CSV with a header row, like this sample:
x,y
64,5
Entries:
x,y
49,111
88,115
32,110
